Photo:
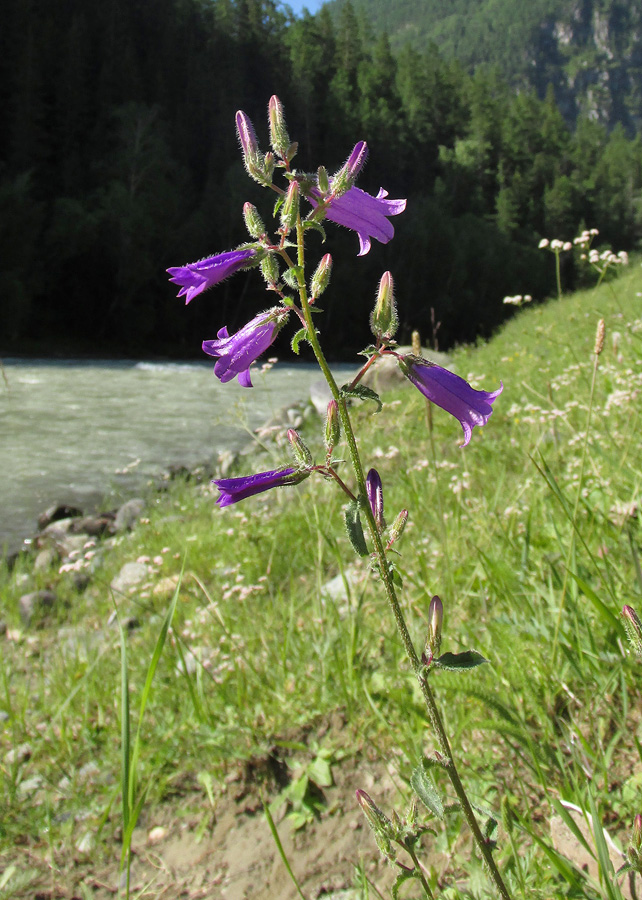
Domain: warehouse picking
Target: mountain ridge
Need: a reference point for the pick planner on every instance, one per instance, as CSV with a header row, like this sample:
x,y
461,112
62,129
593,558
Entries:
x,y
589,51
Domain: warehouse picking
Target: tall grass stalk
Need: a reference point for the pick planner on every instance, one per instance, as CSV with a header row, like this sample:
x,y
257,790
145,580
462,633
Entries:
x,y
599,346
133,800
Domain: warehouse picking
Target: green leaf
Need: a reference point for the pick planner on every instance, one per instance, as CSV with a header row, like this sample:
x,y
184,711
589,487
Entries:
x,y
320,773
469,659
606,866
355,529
361,392
400,879
290,278
316,227
301,335
279,847
423,786
607,616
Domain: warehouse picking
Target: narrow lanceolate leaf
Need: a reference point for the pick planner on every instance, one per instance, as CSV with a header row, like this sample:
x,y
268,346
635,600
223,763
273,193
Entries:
x,y
424,787
355,529
361,392
469,659
301,335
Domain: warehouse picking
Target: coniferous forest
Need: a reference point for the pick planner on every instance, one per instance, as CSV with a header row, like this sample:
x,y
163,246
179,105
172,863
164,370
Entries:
x,y
119,157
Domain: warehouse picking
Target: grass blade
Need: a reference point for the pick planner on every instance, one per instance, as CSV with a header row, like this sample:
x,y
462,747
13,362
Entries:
x,y
279,847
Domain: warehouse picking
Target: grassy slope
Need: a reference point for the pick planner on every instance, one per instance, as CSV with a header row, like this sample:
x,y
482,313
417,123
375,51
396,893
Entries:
x,y
490,531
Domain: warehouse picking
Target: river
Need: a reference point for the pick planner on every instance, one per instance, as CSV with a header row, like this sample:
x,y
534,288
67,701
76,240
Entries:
x,y
80,432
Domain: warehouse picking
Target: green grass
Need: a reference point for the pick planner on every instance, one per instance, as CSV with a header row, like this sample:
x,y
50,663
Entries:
x,y
533,561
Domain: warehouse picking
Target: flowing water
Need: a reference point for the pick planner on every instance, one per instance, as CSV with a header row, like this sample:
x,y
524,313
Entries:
x,y
77,432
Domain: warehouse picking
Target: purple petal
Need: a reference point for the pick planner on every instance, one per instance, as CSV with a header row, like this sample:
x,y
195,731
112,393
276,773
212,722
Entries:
x,y
365,214
235,353
452,393
197,277
374,489
234,489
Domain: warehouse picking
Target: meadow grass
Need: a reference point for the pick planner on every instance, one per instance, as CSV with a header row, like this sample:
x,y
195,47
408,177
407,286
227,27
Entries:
x,y
531,538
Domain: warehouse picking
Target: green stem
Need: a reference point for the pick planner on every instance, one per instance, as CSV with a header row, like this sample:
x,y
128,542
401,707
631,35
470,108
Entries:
x,y
386,577
419,872
557,275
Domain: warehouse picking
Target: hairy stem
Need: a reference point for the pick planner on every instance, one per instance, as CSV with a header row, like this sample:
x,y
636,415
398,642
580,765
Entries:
x,y
386,577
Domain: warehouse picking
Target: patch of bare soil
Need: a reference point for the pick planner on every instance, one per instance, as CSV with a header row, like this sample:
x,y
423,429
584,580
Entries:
x,y
235,856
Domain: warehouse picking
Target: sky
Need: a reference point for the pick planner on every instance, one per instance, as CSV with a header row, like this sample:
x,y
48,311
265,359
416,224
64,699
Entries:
x,y
298,5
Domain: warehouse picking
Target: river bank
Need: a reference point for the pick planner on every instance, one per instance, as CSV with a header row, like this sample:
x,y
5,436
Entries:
x,y
91,434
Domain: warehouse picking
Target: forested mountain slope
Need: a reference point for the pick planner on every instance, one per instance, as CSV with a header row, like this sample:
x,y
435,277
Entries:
x,y
590,51
119,158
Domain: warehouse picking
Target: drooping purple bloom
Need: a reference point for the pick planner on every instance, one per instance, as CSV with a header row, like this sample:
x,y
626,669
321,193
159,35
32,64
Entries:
x,y
194,278
450,392
237,353
374,489
234,489
365,214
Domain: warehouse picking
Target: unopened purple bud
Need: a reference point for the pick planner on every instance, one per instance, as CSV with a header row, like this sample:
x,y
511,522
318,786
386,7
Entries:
x,y
347,174
374,489
290,208
332,426
299,450
279,137
247,135
253,221
435,621
384,320
633,628
636,837
321,278
377,820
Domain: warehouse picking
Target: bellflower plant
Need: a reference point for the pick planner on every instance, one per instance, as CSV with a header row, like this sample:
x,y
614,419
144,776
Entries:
x,y
284,268
194,278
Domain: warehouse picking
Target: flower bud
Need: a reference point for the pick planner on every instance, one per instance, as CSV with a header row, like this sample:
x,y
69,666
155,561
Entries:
x,y
279,137
378,821
247,137
268,167
636,836
374,489
270,268
290,208
299,450
321,278
322,180
384,320
543,243
332,426
633,628
599,337
398,526
347,174
253,221
435,621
